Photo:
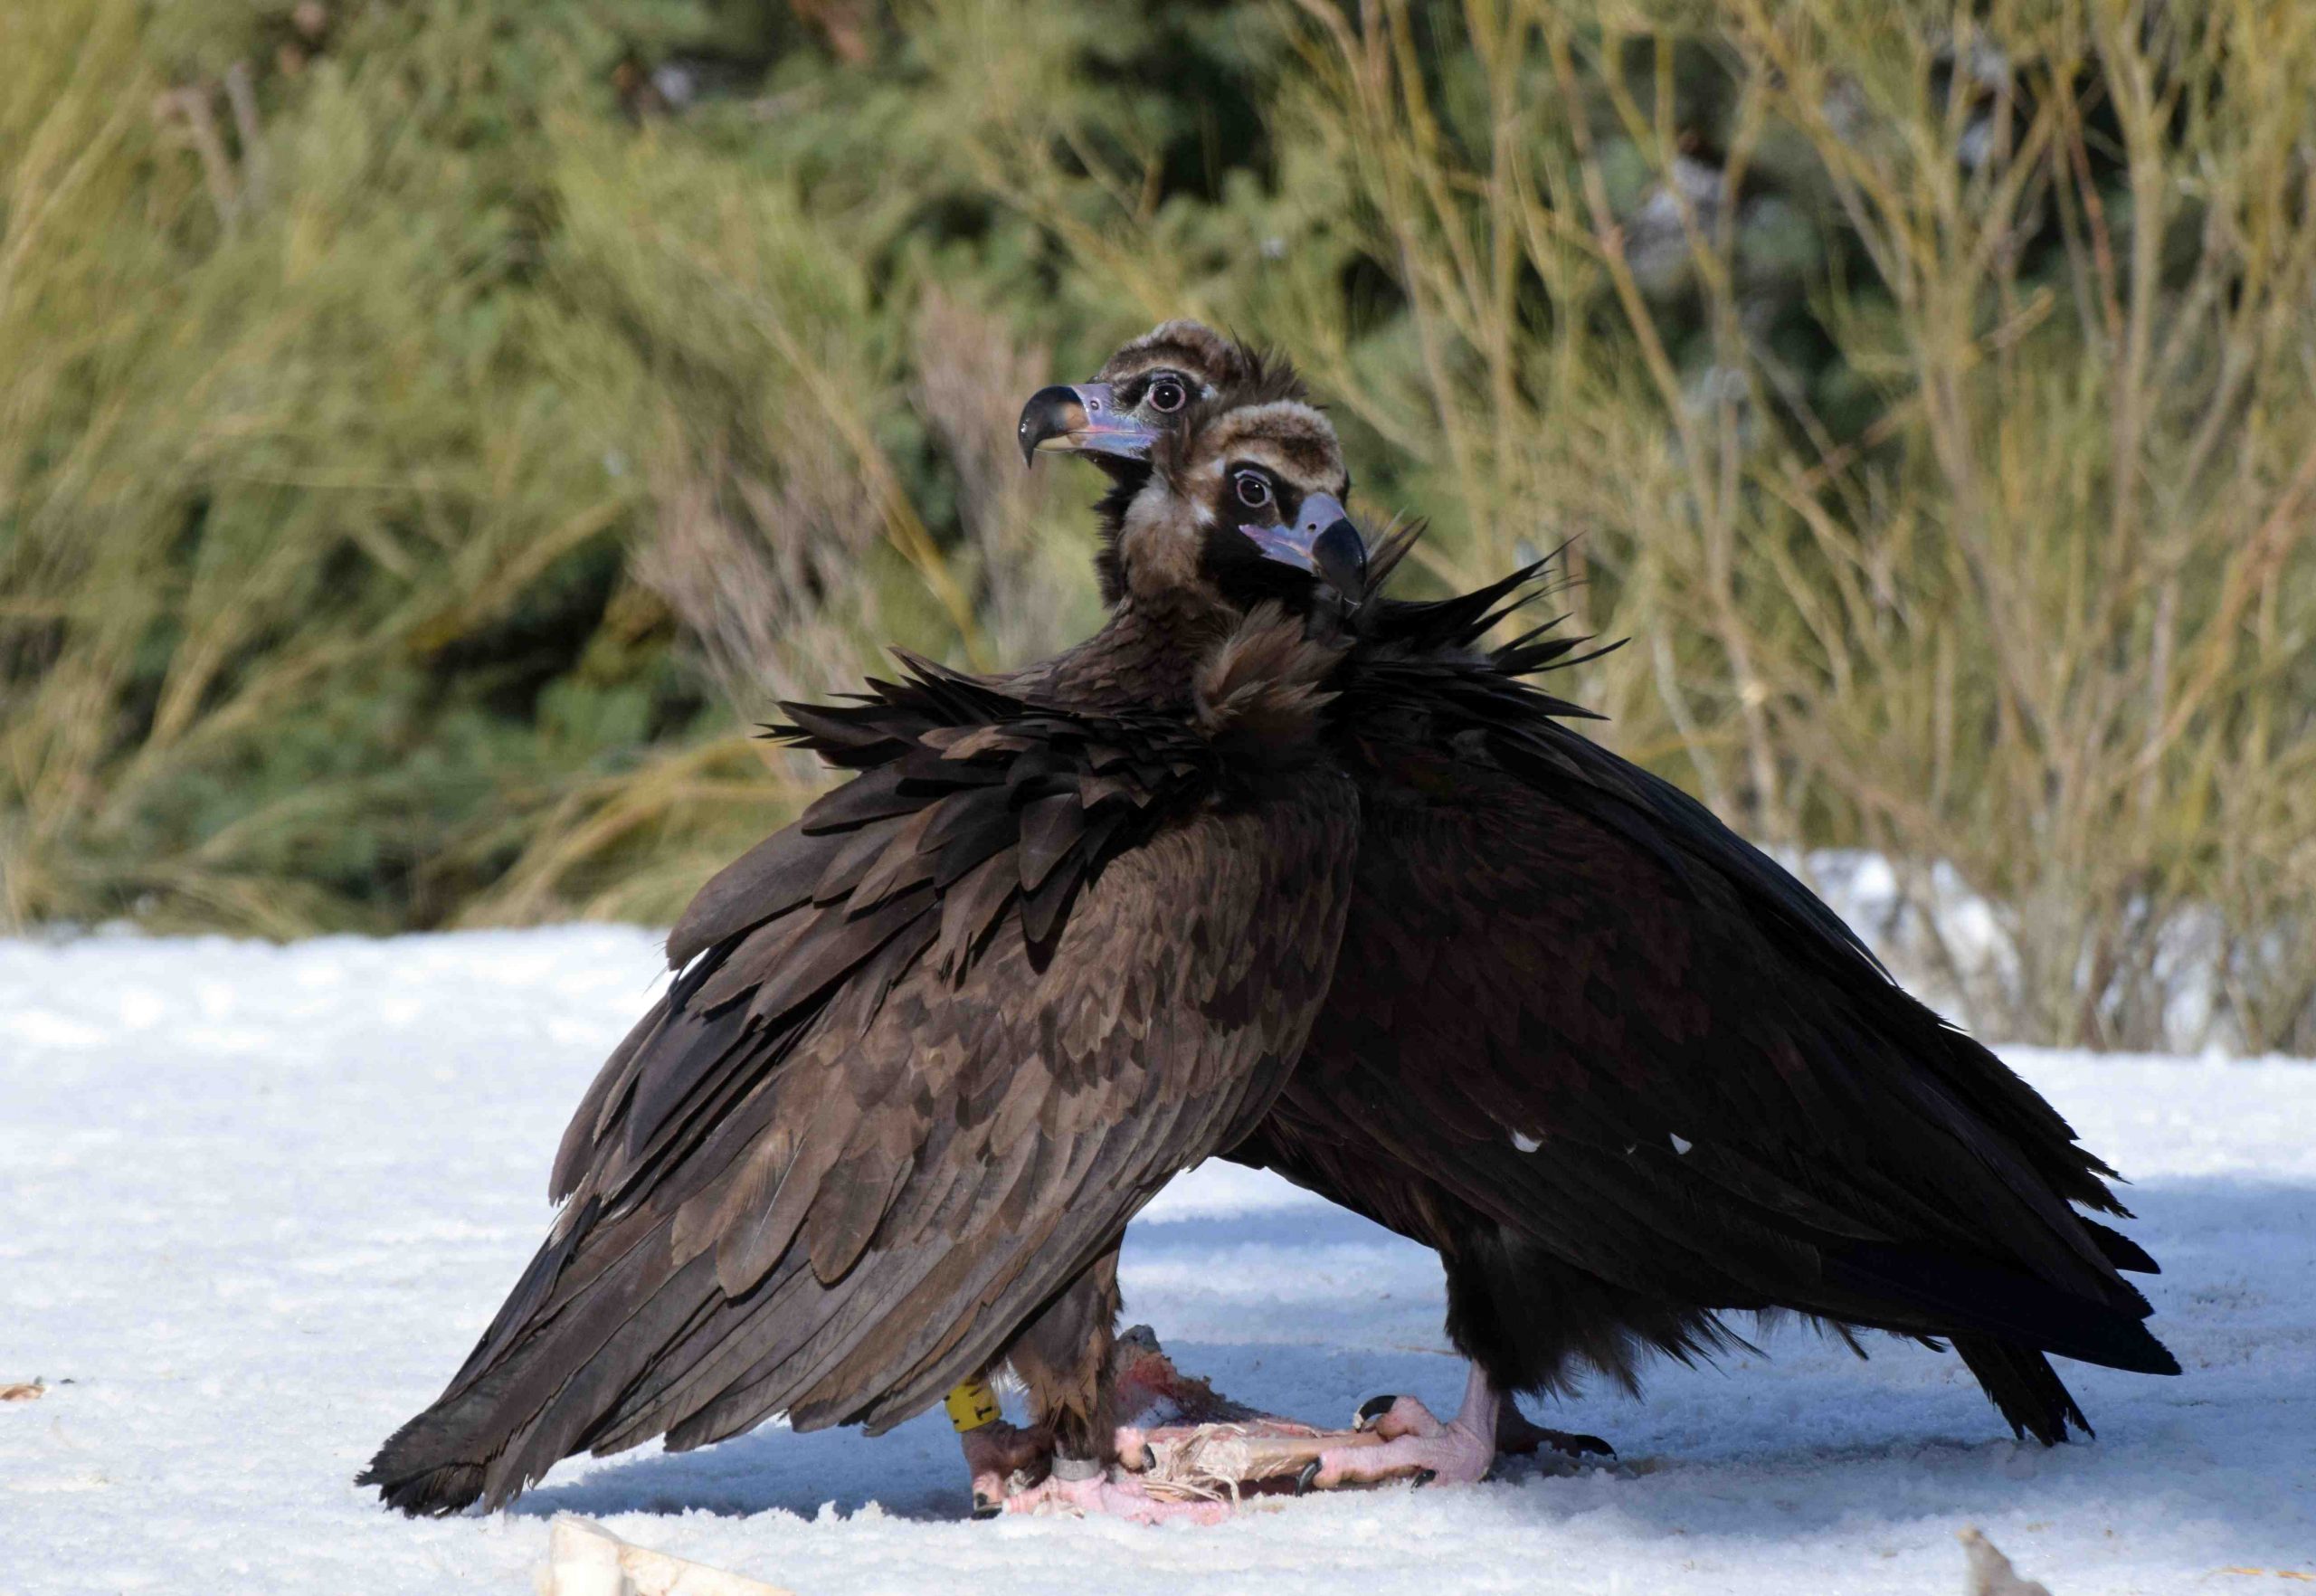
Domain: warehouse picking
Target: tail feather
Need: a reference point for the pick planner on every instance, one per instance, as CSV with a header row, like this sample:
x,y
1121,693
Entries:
x,y
646,1347
429,1493
436,1464
535,1388
2121,1250
442,1460
2023,1386
1961,1296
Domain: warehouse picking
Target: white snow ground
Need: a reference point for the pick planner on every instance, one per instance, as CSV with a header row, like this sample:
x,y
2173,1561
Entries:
x,y
255,1204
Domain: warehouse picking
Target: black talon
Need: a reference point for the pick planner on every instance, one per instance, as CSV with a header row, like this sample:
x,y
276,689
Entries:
x,y
1424,1476
985,1508
1371,1410
1149,1457
1304,1481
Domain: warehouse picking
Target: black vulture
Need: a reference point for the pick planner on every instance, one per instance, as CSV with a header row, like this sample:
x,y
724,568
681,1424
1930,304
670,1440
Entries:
x,y
930,1048
1619,1068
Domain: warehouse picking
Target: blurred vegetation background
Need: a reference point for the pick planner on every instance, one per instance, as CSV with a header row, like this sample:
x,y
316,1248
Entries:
x,y
431,432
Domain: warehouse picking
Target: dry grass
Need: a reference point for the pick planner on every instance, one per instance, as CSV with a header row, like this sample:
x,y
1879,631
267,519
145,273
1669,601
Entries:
x,y
415,472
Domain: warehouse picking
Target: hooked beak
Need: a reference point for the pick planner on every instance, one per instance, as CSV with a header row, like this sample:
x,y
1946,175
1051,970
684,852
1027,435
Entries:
x,y
1323,541
1082,420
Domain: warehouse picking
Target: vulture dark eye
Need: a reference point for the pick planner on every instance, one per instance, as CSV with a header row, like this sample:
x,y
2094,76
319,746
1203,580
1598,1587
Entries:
x,y
1167,395
1254,490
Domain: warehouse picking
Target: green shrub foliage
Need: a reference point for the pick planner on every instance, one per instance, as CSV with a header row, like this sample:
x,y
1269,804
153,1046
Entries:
x,y
432,432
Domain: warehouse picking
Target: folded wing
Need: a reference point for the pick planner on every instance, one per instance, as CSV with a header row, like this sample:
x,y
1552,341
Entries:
x,y
927,1050
1579,1009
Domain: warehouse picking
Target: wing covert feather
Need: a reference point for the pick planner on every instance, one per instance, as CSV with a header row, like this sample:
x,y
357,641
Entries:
x,y
1577,1004
928,1052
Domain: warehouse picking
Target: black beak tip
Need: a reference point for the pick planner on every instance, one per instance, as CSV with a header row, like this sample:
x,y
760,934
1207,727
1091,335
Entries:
x,y
1050,411
1339,556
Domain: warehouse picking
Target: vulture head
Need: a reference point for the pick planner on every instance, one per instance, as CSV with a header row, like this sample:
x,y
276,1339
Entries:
x,y
1150,384
1243,502
1222,477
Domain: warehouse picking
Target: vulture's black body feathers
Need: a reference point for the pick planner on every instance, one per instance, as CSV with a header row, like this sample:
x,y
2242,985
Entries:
x,y
928,1049
1624,1072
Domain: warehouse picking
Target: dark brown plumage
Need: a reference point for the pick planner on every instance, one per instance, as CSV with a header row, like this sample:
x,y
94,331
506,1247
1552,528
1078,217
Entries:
x,y
932,1046
1624,1073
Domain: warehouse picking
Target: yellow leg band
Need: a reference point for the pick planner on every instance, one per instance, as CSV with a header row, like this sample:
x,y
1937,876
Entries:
x,y
971,1405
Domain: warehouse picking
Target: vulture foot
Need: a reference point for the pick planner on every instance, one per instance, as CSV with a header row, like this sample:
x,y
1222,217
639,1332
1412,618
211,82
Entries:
x,y
1005,1459
1399,1437
1214,1449
1175,1437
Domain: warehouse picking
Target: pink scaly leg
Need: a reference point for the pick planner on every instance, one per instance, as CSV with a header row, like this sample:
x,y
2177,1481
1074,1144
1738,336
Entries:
x,y
1414,1442
1279,1450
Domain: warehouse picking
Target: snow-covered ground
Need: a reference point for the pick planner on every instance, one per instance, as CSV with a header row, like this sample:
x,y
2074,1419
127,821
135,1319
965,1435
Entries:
x,y
256,1202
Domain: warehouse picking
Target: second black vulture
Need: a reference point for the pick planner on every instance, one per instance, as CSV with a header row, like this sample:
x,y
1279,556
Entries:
x,y
1620,1069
